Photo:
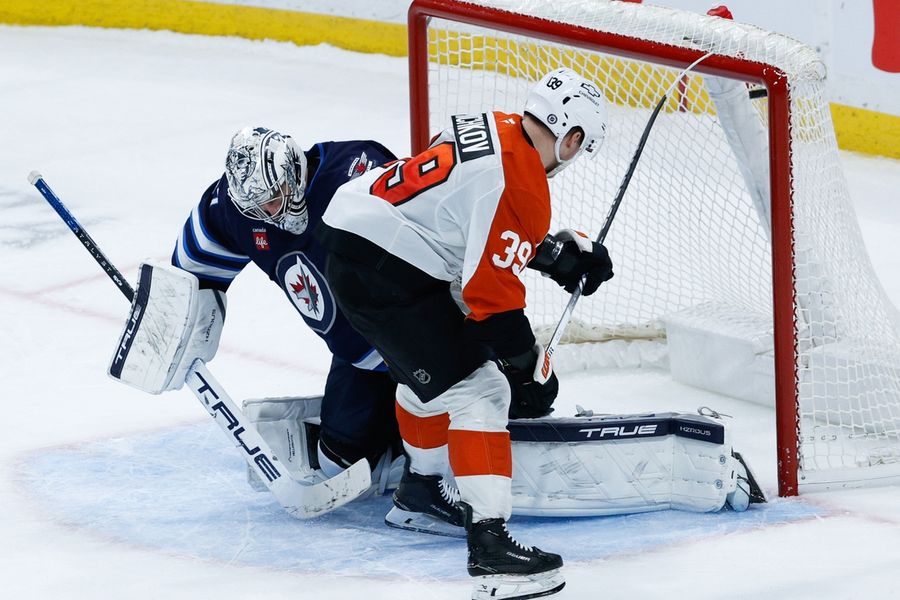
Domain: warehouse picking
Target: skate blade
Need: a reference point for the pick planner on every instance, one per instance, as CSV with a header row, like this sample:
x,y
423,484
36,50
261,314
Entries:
x,y
422,523
518,587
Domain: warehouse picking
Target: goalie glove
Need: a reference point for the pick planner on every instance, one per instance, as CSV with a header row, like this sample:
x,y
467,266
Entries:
x,y
171,323
568,256
533,390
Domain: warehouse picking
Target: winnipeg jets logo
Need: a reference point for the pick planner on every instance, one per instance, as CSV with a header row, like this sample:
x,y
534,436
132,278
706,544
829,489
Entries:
x,y
360,165
306,287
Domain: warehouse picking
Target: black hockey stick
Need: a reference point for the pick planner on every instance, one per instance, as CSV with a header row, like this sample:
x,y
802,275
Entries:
x,y
300,499
613,209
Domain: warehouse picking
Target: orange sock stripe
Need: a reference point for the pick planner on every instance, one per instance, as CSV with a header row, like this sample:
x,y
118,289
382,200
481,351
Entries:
x,y
480,453
423,432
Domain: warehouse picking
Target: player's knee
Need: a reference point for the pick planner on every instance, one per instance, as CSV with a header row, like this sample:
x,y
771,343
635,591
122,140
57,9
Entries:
x,y
480,401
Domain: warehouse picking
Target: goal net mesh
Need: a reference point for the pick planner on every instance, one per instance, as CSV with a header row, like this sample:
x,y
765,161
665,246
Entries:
x,y
689,234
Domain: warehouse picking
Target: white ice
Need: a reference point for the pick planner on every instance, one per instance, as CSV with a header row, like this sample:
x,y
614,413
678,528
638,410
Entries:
x,y
110,493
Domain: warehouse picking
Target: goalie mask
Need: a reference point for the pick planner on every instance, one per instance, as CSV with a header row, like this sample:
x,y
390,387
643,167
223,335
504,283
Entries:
x,y
266,175
563,100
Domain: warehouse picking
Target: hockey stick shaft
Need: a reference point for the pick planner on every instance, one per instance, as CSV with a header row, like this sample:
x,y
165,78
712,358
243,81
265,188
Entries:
x,y
613,209
298,499
35,179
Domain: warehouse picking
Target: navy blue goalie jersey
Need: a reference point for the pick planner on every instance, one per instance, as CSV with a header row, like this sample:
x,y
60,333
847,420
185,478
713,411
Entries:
x,y
217,242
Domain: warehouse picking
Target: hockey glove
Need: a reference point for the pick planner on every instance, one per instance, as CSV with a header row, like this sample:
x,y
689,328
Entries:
x,y
568,256
532,393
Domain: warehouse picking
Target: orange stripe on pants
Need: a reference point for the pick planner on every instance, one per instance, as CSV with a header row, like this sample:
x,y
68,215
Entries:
x,y
480,453
422,432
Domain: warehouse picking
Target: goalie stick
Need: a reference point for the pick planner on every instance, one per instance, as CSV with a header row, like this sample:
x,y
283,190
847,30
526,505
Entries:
x,y
613,209
300,499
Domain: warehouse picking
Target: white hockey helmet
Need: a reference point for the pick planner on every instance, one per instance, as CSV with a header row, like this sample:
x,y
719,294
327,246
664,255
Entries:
x,y
263,166
563,100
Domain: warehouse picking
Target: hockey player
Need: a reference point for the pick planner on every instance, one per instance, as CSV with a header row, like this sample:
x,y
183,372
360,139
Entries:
x,y
263,210
462,219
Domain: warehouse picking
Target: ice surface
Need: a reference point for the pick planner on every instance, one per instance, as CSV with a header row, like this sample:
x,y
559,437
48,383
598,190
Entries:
x,y
109,493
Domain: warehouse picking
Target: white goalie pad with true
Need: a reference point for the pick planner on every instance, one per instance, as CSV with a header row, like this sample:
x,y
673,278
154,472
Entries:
x,y
580,466
289,426
619,464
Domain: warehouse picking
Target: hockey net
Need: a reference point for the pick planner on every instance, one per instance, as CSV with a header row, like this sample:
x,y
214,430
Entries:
x,y
693,241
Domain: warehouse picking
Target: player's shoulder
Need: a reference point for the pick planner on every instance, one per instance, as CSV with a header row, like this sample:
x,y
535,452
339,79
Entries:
x,y
218,212
510,132
215,201
351,152
339,162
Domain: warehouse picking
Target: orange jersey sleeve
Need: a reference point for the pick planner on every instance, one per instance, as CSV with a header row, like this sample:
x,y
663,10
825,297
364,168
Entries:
x,y
520,222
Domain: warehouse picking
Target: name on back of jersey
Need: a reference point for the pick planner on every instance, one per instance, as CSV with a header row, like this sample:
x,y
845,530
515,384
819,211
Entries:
x,y
473,136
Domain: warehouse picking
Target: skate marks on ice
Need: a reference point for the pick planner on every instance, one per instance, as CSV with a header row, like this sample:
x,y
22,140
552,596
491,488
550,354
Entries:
x,y
27,223
183,491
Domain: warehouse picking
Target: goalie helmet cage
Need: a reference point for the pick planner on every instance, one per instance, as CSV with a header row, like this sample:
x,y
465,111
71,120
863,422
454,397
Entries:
x,y
692,233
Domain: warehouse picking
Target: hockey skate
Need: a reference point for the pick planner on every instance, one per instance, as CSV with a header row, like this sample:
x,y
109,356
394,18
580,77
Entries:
x,y
505,569
748,491
427,504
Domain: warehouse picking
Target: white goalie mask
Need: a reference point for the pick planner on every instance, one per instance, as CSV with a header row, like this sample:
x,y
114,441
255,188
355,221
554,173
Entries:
x,y
266,174
563,100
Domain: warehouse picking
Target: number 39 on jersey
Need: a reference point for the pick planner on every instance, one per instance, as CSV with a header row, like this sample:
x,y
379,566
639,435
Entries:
x,y
516,253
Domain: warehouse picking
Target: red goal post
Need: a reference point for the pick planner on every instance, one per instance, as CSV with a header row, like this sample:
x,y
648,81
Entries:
x,y
535,23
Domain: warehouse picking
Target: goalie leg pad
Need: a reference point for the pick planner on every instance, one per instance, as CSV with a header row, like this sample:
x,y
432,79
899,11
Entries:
x,y
290,426
586,466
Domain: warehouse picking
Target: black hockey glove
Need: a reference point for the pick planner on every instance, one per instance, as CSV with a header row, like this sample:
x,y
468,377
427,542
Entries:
x,y
569,255
530,399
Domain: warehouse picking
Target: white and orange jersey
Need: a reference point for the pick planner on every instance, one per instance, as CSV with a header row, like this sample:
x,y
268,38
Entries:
x,y
474,206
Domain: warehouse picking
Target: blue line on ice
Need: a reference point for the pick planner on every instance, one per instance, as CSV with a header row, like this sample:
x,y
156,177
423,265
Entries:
x,y
184,491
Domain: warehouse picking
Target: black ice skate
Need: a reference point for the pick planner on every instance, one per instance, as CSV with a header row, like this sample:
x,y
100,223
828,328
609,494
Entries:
x,y
427,504
507,570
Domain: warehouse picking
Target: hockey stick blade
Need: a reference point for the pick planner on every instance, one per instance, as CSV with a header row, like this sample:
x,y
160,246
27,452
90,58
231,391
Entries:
x,y
300,499
613,209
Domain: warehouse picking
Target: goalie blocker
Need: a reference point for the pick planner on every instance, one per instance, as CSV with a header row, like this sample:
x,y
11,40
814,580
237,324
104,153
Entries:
x,y
564,467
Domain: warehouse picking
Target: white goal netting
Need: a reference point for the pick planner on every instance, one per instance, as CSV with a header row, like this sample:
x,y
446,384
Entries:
x,y
692,236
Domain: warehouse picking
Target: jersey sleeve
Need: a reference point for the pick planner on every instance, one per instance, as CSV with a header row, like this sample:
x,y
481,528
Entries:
x,y
504,232
204,249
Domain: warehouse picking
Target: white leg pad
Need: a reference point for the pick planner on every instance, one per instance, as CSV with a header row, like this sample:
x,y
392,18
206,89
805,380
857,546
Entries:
x,y
611,465
283,423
